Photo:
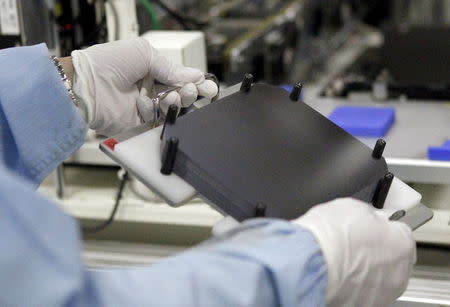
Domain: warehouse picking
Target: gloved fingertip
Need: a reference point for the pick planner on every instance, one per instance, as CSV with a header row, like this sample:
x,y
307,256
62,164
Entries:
x,y
193,75
171,98
224,225
208,89
143,92
188,94
181,75
146,108
381,214
403,227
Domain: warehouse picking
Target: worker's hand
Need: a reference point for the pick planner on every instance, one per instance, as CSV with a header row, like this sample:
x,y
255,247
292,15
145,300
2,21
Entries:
x,y
110,79
225,224
369,258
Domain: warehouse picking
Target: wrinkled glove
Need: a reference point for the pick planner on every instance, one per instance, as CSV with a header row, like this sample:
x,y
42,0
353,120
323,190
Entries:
x,y
369,258
110,79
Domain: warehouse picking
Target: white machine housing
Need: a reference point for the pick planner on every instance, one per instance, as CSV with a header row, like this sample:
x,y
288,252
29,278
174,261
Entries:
x,y
182,47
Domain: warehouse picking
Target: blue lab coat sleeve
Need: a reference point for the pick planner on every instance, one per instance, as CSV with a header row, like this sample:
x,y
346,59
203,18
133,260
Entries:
x,y
262,263
39,125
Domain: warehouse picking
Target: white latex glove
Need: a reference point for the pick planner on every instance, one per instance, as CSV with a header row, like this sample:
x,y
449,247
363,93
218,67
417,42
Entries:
x,y
369,258
108,80
225,224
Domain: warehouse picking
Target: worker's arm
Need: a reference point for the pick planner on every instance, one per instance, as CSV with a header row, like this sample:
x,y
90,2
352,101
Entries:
x,y
264,263
339,253
39,125
40,263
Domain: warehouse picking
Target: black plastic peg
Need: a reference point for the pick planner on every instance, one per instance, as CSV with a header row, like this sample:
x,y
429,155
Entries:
x,y
169,155
171,117
260,210
296,91
246,84
172,113
377,152
382,190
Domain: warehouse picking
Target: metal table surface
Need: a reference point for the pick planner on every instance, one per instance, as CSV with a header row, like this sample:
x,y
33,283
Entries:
x,y
418,124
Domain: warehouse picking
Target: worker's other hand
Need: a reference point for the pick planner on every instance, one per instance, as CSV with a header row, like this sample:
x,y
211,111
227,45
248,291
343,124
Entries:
x,y
109,81
369,258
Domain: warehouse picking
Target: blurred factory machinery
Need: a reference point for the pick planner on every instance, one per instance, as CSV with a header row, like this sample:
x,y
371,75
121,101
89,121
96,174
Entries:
x,y
278,41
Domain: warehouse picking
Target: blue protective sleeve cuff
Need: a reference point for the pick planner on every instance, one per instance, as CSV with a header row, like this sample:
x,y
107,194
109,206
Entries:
x,y
39,125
